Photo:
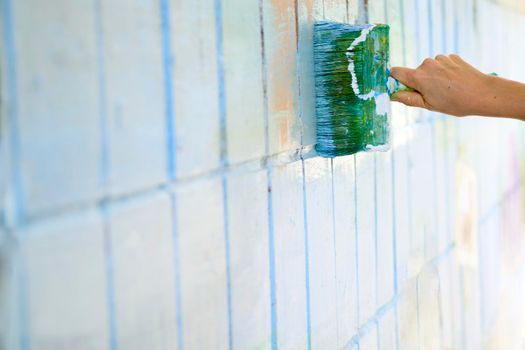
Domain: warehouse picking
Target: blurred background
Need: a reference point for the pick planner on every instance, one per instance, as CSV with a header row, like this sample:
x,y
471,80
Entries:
x,y
159,187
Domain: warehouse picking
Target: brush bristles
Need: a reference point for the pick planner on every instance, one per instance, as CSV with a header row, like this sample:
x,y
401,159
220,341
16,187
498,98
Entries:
x,y
348,123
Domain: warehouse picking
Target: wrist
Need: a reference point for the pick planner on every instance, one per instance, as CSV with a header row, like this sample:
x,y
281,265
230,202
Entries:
x,y
492,99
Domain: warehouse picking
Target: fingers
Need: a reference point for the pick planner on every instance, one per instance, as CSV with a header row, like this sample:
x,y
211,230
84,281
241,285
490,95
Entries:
x,y
405,76
445,61
409,98
455,58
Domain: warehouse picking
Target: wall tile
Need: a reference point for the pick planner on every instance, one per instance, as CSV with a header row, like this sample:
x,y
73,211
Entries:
x,y
56,71
323,292
203,285
280,44
142,260
345,246
289,237
135,96
387,330
243,79
366,235
248,234
66,281
195,80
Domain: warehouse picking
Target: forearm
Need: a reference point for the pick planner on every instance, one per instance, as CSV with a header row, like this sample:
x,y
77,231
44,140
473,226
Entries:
x,y
506,98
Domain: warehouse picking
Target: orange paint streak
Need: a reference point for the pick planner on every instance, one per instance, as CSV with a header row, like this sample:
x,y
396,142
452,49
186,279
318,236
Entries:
x,y
281,47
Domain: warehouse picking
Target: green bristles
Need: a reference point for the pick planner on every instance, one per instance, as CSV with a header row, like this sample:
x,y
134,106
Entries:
x,y
351,118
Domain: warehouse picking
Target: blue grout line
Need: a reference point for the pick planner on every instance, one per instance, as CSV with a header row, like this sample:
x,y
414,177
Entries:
x,y
430,29
104,176
271,241
167,61
376,323
335,249
462,305
303,171
23,304
444,26
417,315
394,239
356,233
178,280
171,161
221,84
271,248
228,261
12,114
110,287
416,30
376,220
306,260
15,173
433,133
456,28
103,122
224,163
403,31
396,275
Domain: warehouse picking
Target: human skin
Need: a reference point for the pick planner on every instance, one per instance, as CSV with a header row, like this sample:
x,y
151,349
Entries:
x,y
449,85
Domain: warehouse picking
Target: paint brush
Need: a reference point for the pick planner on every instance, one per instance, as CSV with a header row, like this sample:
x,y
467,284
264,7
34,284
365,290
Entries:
x,y
353,87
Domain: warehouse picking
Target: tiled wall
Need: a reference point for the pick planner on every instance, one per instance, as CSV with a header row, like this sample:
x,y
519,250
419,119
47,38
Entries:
x,y
160,189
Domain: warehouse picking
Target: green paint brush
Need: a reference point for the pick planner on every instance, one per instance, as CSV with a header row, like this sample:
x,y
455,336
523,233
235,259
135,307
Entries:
x,y
353,88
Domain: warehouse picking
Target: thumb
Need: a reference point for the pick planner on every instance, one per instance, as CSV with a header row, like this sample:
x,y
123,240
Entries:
x,y
409,98
405,76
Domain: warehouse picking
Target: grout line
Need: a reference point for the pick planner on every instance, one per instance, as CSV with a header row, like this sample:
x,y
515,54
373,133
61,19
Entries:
x,y
430,28
307,260
444,27
14,213
104,147
228,261
110,285
302,155
167,53
456,27
271,248
416,31
440,308
403,31
394,240
376,322
462,305
223,155
434,119
16,210
102,206
271,242
273,161
376,220
178,280
23,304
255,165
171,161
417,315
335,250
356,240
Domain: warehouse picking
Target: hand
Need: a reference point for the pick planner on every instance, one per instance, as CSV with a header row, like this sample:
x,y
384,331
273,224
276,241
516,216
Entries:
x,y
448,85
